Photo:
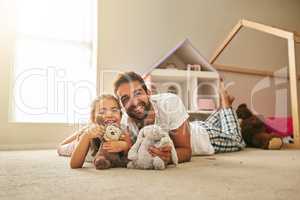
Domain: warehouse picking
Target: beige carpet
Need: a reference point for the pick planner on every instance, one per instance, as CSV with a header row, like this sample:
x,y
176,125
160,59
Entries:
x,y
250,174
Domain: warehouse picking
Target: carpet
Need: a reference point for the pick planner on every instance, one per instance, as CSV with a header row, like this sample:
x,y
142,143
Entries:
x,y
249,174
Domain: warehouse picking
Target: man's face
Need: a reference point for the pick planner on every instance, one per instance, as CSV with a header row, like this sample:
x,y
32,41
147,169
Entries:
x,y
134,99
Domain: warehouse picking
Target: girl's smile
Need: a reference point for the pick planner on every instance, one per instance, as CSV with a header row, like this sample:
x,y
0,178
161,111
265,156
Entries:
x,y
108,112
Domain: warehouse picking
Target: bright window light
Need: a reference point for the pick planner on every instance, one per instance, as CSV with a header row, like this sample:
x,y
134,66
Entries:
x,y
54,70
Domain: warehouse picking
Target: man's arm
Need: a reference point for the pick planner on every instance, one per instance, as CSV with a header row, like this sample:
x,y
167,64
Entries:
x,y
182,142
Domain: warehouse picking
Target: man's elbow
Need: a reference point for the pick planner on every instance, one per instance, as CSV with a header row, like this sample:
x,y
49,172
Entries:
x,y
72,166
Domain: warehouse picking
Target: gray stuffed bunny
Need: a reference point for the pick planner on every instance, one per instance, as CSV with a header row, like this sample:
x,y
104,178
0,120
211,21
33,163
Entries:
x,y
151,135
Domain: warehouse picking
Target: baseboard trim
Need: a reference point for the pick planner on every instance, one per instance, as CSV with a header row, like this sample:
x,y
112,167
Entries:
x,y
13,147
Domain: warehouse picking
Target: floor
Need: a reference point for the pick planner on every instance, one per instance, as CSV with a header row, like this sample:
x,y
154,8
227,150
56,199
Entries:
x,y
250,174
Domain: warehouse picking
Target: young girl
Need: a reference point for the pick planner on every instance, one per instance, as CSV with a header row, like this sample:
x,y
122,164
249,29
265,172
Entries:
x,y
105,110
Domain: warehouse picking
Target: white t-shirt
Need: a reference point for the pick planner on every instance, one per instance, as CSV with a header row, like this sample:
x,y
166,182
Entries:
x,y
170,114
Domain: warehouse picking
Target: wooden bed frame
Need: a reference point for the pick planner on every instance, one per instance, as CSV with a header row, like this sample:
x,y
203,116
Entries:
x,y
292,38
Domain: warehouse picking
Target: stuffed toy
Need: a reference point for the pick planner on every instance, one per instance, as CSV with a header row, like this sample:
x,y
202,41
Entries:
x,y
151,135
254,131
104,159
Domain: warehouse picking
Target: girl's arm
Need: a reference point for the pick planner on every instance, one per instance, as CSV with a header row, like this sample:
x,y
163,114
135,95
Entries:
x,y
80,151
70,139
82,148
66,147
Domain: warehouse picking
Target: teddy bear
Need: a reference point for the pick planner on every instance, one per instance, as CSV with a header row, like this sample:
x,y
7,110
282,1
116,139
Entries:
x,y
104,159
254,131
140,158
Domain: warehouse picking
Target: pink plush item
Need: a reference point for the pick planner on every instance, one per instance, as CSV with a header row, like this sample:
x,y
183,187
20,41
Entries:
x,y
206,104
281,126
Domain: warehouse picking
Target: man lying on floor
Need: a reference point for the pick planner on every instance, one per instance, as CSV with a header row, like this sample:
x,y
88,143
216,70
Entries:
x,y
220,132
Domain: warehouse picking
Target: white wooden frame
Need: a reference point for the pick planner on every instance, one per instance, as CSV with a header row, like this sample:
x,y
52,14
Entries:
x,y
292,38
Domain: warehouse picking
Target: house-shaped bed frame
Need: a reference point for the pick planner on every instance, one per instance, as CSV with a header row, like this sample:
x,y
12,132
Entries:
x,y
173,69
292,39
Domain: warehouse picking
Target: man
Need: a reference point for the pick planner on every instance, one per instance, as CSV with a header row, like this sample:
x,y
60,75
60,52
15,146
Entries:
x,y
168,111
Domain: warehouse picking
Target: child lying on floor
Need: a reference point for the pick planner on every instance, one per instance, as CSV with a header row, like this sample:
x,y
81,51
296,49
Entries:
x,y
84,144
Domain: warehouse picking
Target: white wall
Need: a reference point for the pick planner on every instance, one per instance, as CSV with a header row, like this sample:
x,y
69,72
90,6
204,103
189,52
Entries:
x,y
136,33
139,32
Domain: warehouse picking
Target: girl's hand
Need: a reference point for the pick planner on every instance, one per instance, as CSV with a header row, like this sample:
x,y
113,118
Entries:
x,y
95,131
115,146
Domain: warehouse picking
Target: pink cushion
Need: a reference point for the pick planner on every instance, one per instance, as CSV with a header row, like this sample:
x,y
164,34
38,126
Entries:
x,y
281,126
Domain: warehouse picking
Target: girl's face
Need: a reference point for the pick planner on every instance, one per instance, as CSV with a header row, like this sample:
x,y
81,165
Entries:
x,y
107,112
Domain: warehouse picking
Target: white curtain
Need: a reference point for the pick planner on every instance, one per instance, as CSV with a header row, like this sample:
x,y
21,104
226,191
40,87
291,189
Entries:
x,y
54,73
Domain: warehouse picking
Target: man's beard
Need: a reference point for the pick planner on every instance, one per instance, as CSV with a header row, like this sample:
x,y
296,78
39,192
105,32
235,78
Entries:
x,y
140,111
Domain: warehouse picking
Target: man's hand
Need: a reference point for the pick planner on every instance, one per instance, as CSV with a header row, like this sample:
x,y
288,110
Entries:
x,y
115,146
164,153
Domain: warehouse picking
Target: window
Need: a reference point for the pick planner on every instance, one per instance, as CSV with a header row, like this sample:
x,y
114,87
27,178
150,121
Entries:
x,y
54,70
